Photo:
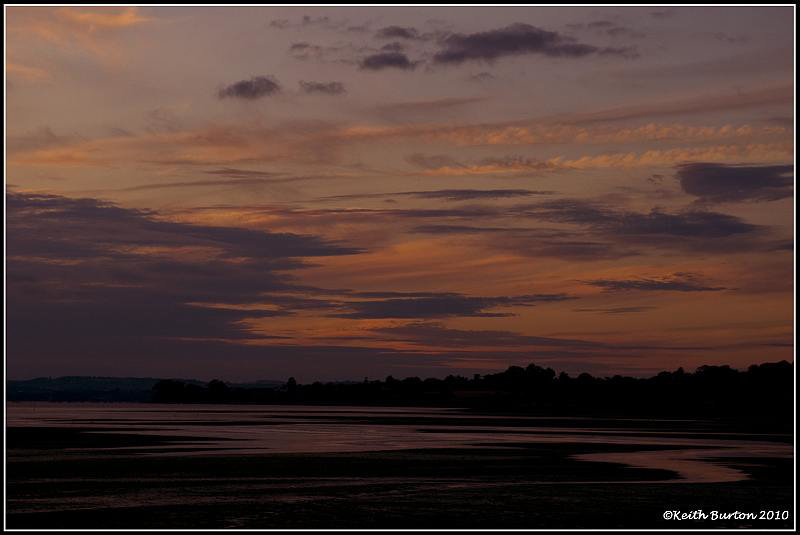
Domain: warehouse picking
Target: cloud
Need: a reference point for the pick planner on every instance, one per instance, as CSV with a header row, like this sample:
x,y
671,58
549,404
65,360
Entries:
x,y
616,310
444,305
472,194
235,144
436,334
387,60
437,165
397,32
89,28
583,229
102,227
315,142
254,181
513,40
461,229
104,19
448,194
235,178
702,104
664,13
481,77
254,88
608,28
393,47
677,282
310,21
26,72
425,108
691,224
101,276
323,88
737,183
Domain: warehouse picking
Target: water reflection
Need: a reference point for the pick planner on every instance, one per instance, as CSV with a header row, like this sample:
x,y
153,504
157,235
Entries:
x,y
226,430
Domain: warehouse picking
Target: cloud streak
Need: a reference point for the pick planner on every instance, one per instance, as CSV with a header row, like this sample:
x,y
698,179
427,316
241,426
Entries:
x,y
677,282
515,40
445,305
322,88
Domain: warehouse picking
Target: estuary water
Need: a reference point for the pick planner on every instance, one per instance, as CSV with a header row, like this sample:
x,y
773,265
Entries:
x,y
693,449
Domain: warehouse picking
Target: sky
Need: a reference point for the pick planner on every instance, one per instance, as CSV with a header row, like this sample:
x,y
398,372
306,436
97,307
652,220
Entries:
x,y
332,193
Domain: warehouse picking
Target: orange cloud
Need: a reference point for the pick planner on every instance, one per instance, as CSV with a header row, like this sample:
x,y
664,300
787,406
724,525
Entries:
x,y
92,20
25,72
752,152
85,28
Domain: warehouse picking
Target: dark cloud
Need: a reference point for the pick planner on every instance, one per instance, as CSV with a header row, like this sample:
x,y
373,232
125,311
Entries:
x,y
125,248
664,13
516,39
691,224
436,334
101,280
458,229
397,32
448,194
616,310
233,172
280,24
301,46
254,88
621,31
606,27
472,194
538,243
393,47
324,88
585,229
677,282
235,178
784,246
481,77
737,183
786,121
309,21
444,305
387,60
245,181
605,232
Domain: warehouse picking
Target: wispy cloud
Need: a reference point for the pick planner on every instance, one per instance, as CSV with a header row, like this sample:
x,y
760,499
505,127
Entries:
x,y
676,282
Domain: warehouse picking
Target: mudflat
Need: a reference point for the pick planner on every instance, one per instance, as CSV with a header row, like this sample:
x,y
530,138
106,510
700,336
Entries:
x,y
153,476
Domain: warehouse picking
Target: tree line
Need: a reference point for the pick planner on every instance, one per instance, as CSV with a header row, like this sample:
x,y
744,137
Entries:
x,y
762,391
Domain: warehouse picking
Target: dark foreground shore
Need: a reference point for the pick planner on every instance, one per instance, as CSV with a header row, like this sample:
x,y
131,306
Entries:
x,y
530,485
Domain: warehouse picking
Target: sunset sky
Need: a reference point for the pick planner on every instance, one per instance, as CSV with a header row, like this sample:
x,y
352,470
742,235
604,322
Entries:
x,y
332,193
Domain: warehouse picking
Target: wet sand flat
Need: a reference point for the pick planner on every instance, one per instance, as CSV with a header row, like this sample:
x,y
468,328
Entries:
x,y
67,474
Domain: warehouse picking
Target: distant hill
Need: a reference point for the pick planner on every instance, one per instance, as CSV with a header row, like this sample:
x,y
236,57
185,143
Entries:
x,y
82,388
